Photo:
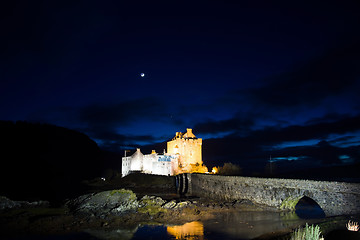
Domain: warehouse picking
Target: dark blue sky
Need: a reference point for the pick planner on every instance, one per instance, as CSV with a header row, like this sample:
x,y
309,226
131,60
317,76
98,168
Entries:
x,y
251,78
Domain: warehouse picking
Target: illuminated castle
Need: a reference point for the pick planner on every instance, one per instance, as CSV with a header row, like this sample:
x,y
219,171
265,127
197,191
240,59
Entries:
x,y
183,156
188,149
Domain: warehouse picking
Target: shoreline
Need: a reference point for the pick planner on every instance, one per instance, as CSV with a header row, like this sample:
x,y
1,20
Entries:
x,y
38,221
54,221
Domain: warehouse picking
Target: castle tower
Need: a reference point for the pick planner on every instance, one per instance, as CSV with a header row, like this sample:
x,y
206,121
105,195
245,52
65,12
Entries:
x,y
137,161
188,147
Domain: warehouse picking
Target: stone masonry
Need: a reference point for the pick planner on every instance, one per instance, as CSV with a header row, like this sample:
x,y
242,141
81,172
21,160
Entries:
x,y
335,198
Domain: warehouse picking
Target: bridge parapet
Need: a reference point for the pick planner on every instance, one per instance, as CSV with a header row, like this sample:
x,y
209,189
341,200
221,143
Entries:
x,y
335,198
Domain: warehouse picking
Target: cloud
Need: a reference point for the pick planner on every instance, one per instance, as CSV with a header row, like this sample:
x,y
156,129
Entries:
x,y
332,74
274,134
322,152
229,125
108,116
256,147
343,140
103,123
330,117
105,116
118,142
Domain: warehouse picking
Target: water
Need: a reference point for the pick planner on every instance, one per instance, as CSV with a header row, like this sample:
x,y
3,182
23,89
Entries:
x,y
224,225
235,224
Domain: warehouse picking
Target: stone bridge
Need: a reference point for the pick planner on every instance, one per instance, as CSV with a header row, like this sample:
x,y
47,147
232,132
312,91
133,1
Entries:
x,y
335,198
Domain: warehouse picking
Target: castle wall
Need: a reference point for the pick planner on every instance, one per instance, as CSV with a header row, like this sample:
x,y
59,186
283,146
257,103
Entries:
x,y
125,166
161,168
148,162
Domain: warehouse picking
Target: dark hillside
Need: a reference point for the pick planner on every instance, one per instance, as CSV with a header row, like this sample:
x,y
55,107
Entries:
x,y
40,161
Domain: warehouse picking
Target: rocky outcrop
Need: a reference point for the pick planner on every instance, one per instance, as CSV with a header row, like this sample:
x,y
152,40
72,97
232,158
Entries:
x,y
6,203
107,211
114,202
120,202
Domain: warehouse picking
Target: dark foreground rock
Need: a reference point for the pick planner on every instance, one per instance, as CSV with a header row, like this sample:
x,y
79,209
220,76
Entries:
x,y
6,203
103,204
110,210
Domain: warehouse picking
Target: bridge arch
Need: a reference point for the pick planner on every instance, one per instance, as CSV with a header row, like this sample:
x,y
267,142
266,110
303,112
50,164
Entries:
x,y
291,202
308,208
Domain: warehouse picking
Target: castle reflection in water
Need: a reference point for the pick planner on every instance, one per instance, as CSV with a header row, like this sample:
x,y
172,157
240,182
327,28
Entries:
x,y
191,230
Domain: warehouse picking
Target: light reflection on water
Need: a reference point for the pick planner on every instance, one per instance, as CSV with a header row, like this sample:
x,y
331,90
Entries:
x,y
191,230
236,224
225,225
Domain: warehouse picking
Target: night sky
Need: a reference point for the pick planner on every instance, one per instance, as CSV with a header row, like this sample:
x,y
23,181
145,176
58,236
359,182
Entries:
x,y
252,78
